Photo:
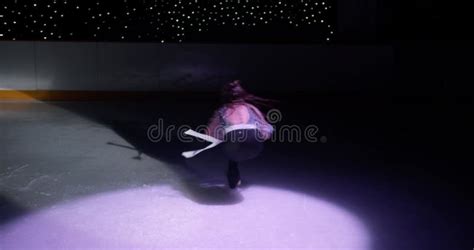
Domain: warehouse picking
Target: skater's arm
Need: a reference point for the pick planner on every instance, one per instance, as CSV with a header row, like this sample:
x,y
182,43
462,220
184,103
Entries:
x,y
265,129
215,127
213,124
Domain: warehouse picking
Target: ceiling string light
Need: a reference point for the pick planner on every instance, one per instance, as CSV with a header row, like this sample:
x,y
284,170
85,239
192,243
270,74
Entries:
x,y
168,20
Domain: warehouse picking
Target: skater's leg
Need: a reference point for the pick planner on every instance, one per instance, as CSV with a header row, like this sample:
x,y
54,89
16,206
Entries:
x,y
233,174
239,151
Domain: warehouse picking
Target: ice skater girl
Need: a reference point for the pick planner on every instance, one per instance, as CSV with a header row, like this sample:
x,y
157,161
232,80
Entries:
x,y
239,125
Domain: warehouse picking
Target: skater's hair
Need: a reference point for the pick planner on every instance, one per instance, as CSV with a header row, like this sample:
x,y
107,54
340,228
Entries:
x,y
233,92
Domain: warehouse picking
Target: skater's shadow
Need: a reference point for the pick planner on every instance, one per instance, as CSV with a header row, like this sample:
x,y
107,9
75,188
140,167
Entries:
x,y
9,210
210,193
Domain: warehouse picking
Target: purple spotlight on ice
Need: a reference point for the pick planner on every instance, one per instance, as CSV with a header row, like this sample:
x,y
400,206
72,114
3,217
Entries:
x,y
160,218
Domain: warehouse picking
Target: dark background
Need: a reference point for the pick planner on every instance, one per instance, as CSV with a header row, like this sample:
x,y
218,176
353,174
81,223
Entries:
x,y
365,21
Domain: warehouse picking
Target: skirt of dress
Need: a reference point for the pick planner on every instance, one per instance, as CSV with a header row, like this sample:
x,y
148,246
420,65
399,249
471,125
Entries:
x,y
242,144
